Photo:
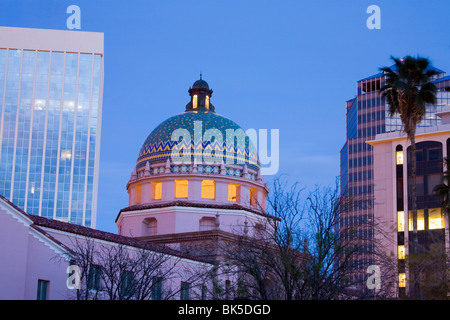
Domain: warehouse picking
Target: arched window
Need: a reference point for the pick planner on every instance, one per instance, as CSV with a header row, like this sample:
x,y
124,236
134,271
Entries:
x,y
181,188
234,192
399,155
207,102
194,101
208,189
149,227
207,223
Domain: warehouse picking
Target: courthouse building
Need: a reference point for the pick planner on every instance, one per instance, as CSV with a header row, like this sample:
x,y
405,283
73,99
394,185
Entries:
x,y
196,185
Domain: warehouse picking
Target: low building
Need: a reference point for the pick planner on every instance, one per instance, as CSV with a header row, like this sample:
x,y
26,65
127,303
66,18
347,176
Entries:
x,y
41,258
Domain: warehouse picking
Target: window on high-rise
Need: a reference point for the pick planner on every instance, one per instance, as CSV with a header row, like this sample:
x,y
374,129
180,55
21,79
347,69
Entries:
x,y
400,221
401,252
399,157
402,280
181,188
433,179
420,220
435,219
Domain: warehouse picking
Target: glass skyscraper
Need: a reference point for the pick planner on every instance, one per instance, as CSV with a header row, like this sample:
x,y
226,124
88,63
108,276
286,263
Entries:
x,y
367,115
51,85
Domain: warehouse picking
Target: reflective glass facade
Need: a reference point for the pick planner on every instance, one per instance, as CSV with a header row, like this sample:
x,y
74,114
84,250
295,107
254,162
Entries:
x,y
50,104
366,116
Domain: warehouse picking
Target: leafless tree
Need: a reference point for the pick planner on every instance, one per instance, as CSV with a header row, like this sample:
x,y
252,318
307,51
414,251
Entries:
x,y
120,272
301,254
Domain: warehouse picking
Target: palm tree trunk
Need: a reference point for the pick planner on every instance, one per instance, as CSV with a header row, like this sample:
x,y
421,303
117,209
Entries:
x,y
415,238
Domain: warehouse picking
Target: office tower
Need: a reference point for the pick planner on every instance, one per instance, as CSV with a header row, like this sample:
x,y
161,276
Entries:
x,y
392,208
367,115
51,84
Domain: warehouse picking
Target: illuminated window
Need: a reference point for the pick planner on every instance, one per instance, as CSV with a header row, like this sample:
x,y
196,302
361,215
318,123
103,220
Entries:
x,y
233,192
207,102
194,101
400,221
435,219
420,220
137,194
181,188
402,280
208,189
157,190
66,154
399,157
253,197
401,252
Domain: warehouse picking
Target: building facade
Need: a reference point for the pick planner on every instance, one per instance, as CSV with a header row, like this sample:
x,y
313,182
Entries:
x,y
392,207
51,88
190,194
44,259
197,182
367,116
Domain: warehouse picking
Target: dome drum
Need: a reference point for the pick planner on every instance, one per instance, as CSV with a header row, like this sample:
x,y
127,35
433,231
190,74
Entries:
x,y
207,169
197,188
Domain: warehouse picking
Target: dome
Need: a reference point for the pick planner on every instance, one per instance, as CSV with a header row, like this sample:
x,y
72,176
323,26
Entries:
x,y
200,84
200,133
158,146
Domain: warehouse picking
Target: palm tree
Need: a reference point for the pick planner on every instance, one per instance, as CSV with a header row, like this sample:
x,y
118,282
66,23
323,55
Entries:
x,y
408,88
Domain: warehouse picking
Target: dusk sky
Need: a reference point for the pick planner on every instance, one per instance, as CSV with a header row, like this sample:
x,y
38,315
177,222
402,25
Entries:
x,y
287,65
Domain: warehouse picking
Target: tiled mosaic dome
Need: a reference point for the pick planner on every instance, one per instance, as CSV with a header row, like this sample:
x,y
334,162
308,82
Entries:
x,y
158,146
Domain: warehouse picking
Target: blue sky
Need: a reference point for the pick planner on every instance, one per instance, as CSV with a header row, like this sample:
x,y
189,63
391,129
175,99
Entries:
x,y
287,65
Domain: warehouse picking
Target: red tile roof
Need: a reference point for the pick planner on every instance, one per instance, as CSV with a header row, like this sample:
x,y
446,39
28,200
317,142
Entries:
x,y
180,203
42,222
106,236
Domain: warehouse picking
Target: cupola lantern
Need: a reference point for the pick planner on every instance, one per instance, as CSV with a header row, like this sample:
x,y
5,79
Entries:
x,y
200,97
